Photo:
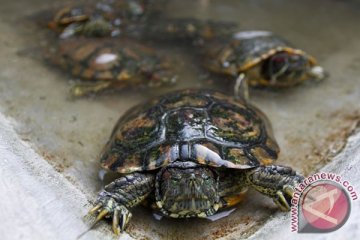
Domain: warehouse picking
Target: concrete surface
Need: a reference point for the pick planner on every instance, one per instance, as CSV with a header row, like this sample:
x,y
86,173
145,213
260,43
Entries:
x,y
346,164
39,203
61,138
36,201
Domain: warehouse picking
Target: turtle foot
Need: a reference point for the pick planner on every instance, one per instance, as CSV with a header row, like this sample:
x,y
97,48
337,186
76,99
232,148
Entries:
x,y
107,207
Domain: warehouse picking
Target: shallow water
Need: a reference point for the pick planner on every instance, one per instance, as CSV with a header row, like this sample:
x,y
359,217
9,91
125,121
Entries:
x,y
311,122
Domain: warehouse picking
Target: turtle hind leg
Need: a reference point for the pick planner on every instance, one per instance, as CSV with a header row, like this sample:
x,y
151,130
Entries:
x,y
233,200
117,197
277,182
232,188
84,89
318,73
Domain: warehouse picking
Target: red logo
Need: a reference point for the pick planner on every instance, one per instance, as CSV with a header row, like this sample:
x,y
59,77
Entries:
x,y
325,207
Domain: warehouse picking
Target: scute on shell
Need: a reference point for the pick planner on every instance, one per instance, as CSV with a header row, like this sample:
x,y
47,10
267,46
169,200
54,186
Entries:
x,y
233,134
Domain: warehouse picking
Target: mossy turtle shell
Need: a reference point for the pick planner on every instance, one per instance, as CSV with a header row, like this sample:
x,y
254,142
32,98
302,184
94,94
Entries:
x,y
204,126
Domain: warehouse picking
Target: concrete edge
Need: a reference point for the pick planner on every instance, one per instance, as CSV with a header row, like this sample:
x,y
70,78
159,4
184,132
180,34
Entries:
x,y
37,202
345,164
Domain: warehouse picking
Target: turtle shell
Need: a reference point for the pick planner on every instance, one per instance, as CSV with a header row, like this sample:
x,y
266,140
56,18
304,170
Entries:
x,y
246,50
189,30
203,126
121,62
105,18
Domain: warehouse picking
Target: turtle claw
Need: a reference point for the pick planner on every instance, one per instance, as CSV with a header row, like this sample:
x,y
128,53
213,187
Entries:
x,y
283,197
125,216
115,223
281,201
95,209
101,215
108,207
289,190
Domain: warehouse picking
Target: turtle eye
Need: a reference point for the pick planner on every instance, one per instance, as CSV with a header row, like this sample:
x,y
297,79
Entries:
x,y
207,179
175,179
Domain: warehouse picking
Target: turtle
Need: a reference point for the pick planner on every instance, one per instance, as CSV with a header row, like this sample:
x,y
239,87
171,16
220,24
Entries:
x,y
263,58
106,64
106,18
190,31
191,153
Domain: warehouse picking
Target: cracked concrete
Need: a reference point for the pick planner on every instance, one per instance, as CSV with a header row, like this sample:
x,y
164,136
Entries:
x,y
37,202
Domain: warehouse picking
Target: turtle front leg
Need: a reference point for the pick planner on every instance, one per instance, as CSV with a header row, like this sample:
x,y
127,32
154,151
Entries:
x,y
241,88
117,197
83,89
277,182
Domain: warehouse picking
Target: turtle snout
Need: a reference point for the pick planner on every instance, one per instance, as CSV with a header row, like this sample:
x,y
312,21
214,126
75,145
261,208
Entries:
x,y
188,191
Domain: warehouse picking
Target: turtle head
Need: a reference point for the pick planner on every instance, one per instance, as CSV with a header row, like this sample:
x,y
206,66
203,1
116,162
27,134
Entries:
x,y
157,71
185,189
288,69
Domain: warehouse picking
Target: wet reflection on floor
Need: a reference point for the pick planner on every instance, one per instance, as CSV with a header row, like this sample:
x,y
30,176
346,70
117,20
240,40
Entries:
x,y
311,122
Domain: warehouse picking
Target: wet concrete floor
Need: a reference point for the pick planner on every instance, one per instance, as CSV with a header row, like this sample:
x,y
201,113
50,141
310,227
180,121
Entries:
x,y
311,122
